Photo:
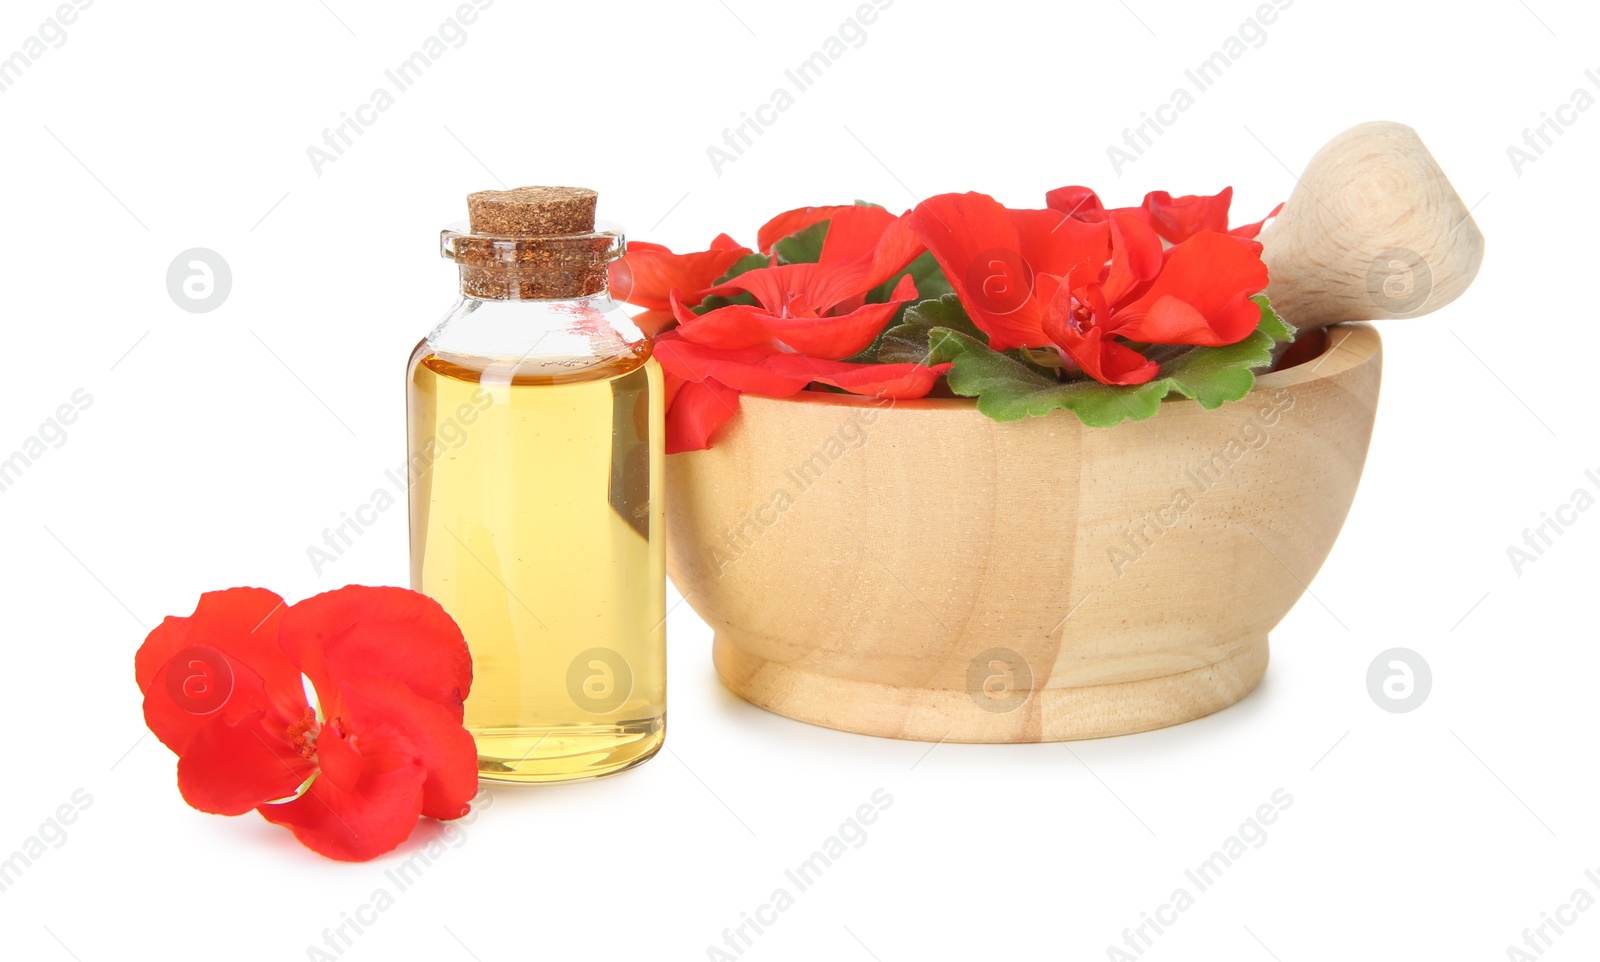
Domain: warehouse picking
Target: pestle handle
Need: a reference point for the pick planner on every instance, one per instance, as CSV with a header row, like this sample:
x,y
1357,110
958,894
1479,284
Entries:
x,y
1373,230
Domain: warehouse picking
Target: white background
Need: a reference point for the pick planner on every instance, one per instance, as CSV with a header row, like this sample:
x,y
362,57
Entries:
x,y
219,446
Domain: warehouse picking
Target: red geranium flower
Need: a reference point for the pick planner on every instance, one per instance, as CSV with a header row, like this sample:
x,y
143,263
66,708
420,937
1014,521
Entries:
x,y
805,320
227,690
649,272
1175,219
1089,282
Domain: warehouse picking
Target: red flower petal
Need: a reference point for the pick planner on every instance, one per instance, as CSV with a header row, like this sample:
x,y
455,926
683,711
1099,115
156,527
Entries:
x,y
240,621
336,751
775,288
865,247
842,335
176,711
897,381
787,318
399,754
1079,202
835,337
854,233
1178,219
743,369
232,643
1249,231
697,410
976,244
360,825
1202,295
792,222
386,717
1175,219
358,632
1136,255
648,272
392,670
775,373
1054,243
732,327
1110,362
1100,357
228,768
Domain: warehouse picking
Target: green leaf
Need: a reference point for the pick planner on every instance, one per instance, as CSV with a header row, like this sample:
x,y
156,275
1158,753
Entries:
x,y
924,272
802,247
908,341
1271,324
717,300
931,289
805,246
1008,389
748,262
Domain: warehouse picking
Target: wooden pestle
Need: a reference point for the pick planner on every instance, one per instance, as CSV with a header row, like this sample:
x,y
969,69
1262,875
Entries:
x,y
1373,230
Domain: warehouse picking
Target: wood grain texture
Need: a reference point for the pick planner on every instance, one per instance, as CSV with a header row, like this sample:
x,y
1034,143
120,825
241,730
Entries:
x,y
915,570
1373,230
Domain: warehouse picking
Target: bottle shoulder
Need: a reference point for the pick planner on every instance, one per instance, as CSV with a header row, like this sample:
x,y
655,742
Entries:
x,y
541,371
530,341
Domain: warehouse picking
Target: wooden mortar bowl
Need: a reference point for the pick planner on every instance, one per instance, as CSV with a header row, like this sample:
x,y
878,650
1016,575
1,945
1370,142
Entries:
x,y
915,570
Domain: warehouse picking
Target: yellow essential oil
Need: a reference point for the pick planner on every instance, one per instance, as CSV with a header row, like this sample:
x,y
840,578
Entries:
x,y
536,522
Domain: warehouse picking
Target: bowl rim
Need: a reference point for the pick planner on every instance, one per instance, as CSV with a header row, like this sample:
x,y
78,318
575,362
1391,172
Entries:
x,y
1347,345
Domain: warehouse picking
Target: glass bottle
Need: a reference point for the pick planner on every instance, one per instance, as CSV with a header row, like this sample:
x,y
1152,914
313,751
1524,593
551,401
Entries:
x,y
535,437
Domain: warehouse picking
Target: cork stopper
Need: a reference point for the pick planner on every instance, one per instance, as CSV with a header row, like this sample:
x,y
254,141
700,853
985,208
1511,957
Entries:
x,y
532,211
532,242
